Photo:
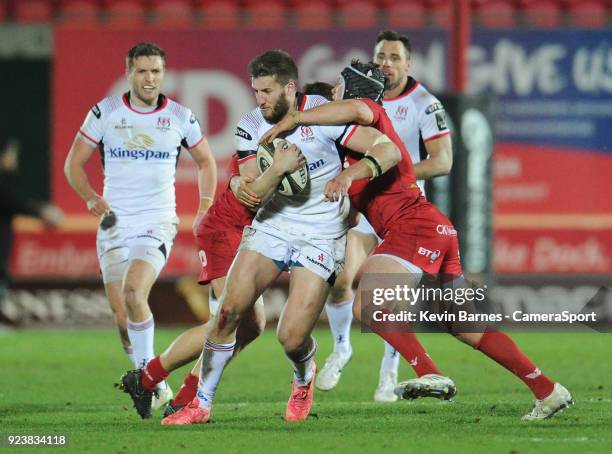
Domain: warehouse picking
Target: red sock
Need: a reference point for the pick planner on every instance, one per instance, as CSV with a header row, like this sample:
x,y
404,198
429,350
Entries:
x,y
501,348
188,390
408,345
412,351
153,373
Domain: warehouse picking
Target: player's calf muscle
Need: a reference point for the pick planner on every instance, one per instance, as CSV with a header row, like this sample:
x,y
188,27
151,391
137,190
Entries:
x,y
342,290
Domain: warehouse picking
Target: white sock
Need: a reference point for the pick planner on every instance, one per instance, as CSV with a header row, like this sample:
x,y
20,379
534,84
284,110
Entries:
x,y
129,351
303,369
162,385
340,317
141,338
213,302
214,360
390,360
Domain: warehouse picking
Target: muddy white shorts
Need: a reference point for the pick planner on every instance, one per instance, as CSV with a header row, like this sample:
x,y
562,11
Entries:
x,y
117,246
324,257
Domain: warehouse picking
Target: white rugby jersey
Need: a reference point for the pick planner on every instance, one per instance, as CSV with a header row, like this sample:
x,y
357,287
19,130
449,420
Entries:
x,y
139,155
417,117
306,213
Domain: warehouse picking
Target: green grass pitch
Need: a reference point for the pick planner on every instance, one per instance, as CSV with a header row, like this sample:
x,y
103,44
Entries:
x,y
62,382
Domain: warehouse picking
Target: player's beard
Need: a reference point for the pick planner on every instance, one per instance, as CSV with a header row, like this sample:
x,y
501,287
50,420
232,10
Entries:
x,y
280,110
392,86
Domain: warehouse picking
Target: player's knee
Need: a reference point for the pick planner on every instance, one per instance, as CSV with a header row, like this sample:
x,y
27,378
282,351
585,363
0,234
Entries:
x,y
227,319
133,296
291,340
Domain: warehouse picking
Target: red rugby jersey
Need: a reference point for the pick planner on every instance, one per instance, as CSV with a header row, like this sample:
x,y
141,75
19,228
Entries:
x,y
227,208
390,197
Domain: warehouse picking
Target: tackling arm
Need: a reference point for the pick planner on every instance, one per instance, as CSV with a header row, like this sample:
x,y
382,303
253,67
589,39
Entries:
x,y
333,113
380,152
336,113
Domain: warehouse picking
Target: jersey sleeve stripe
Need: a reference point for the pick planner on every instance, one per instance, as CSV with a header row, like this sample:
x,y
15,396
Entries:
x,y
191,147
87,137
304,99
348,136
437,136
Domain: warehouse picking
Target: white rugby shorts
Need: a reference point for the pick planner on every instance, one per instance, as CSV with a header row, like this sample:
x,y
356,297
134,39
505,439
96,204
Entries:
x,y
324,257
119,245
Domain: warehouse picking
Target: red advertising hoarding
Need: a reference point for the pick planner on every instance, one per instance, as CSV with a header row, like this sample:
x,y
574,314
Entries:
x,y
547,198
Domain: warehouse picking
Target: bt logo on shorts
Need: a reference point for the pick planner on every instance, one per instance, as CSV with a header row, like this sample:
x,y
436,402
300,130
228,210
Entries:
x,y
432,255
447,230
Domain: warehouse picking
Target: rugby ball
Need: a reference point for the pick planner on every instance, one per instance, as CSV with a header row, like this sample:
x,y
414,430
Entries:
x,y
291,184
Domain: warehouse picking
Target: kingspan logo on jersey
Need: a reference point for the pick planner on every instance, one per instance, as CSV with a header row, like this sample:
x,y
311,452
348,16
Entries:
x,y
137,154
139,147
315,165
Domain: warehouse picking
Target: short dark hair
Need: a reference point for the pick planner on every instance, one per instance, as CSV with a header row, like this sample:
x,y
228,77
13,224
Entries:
x,y
275,63
144,50
392,35
319,88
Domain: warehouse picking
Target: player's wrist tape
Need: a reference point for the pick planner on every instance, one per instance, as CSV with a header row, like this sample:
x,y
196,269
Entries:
x,y
374,165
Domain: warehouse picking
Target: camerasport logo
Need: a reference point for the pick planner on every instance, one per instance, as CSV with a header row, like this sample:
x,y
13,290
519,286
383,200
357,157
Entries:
x,y
306,134
447,230
431,255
